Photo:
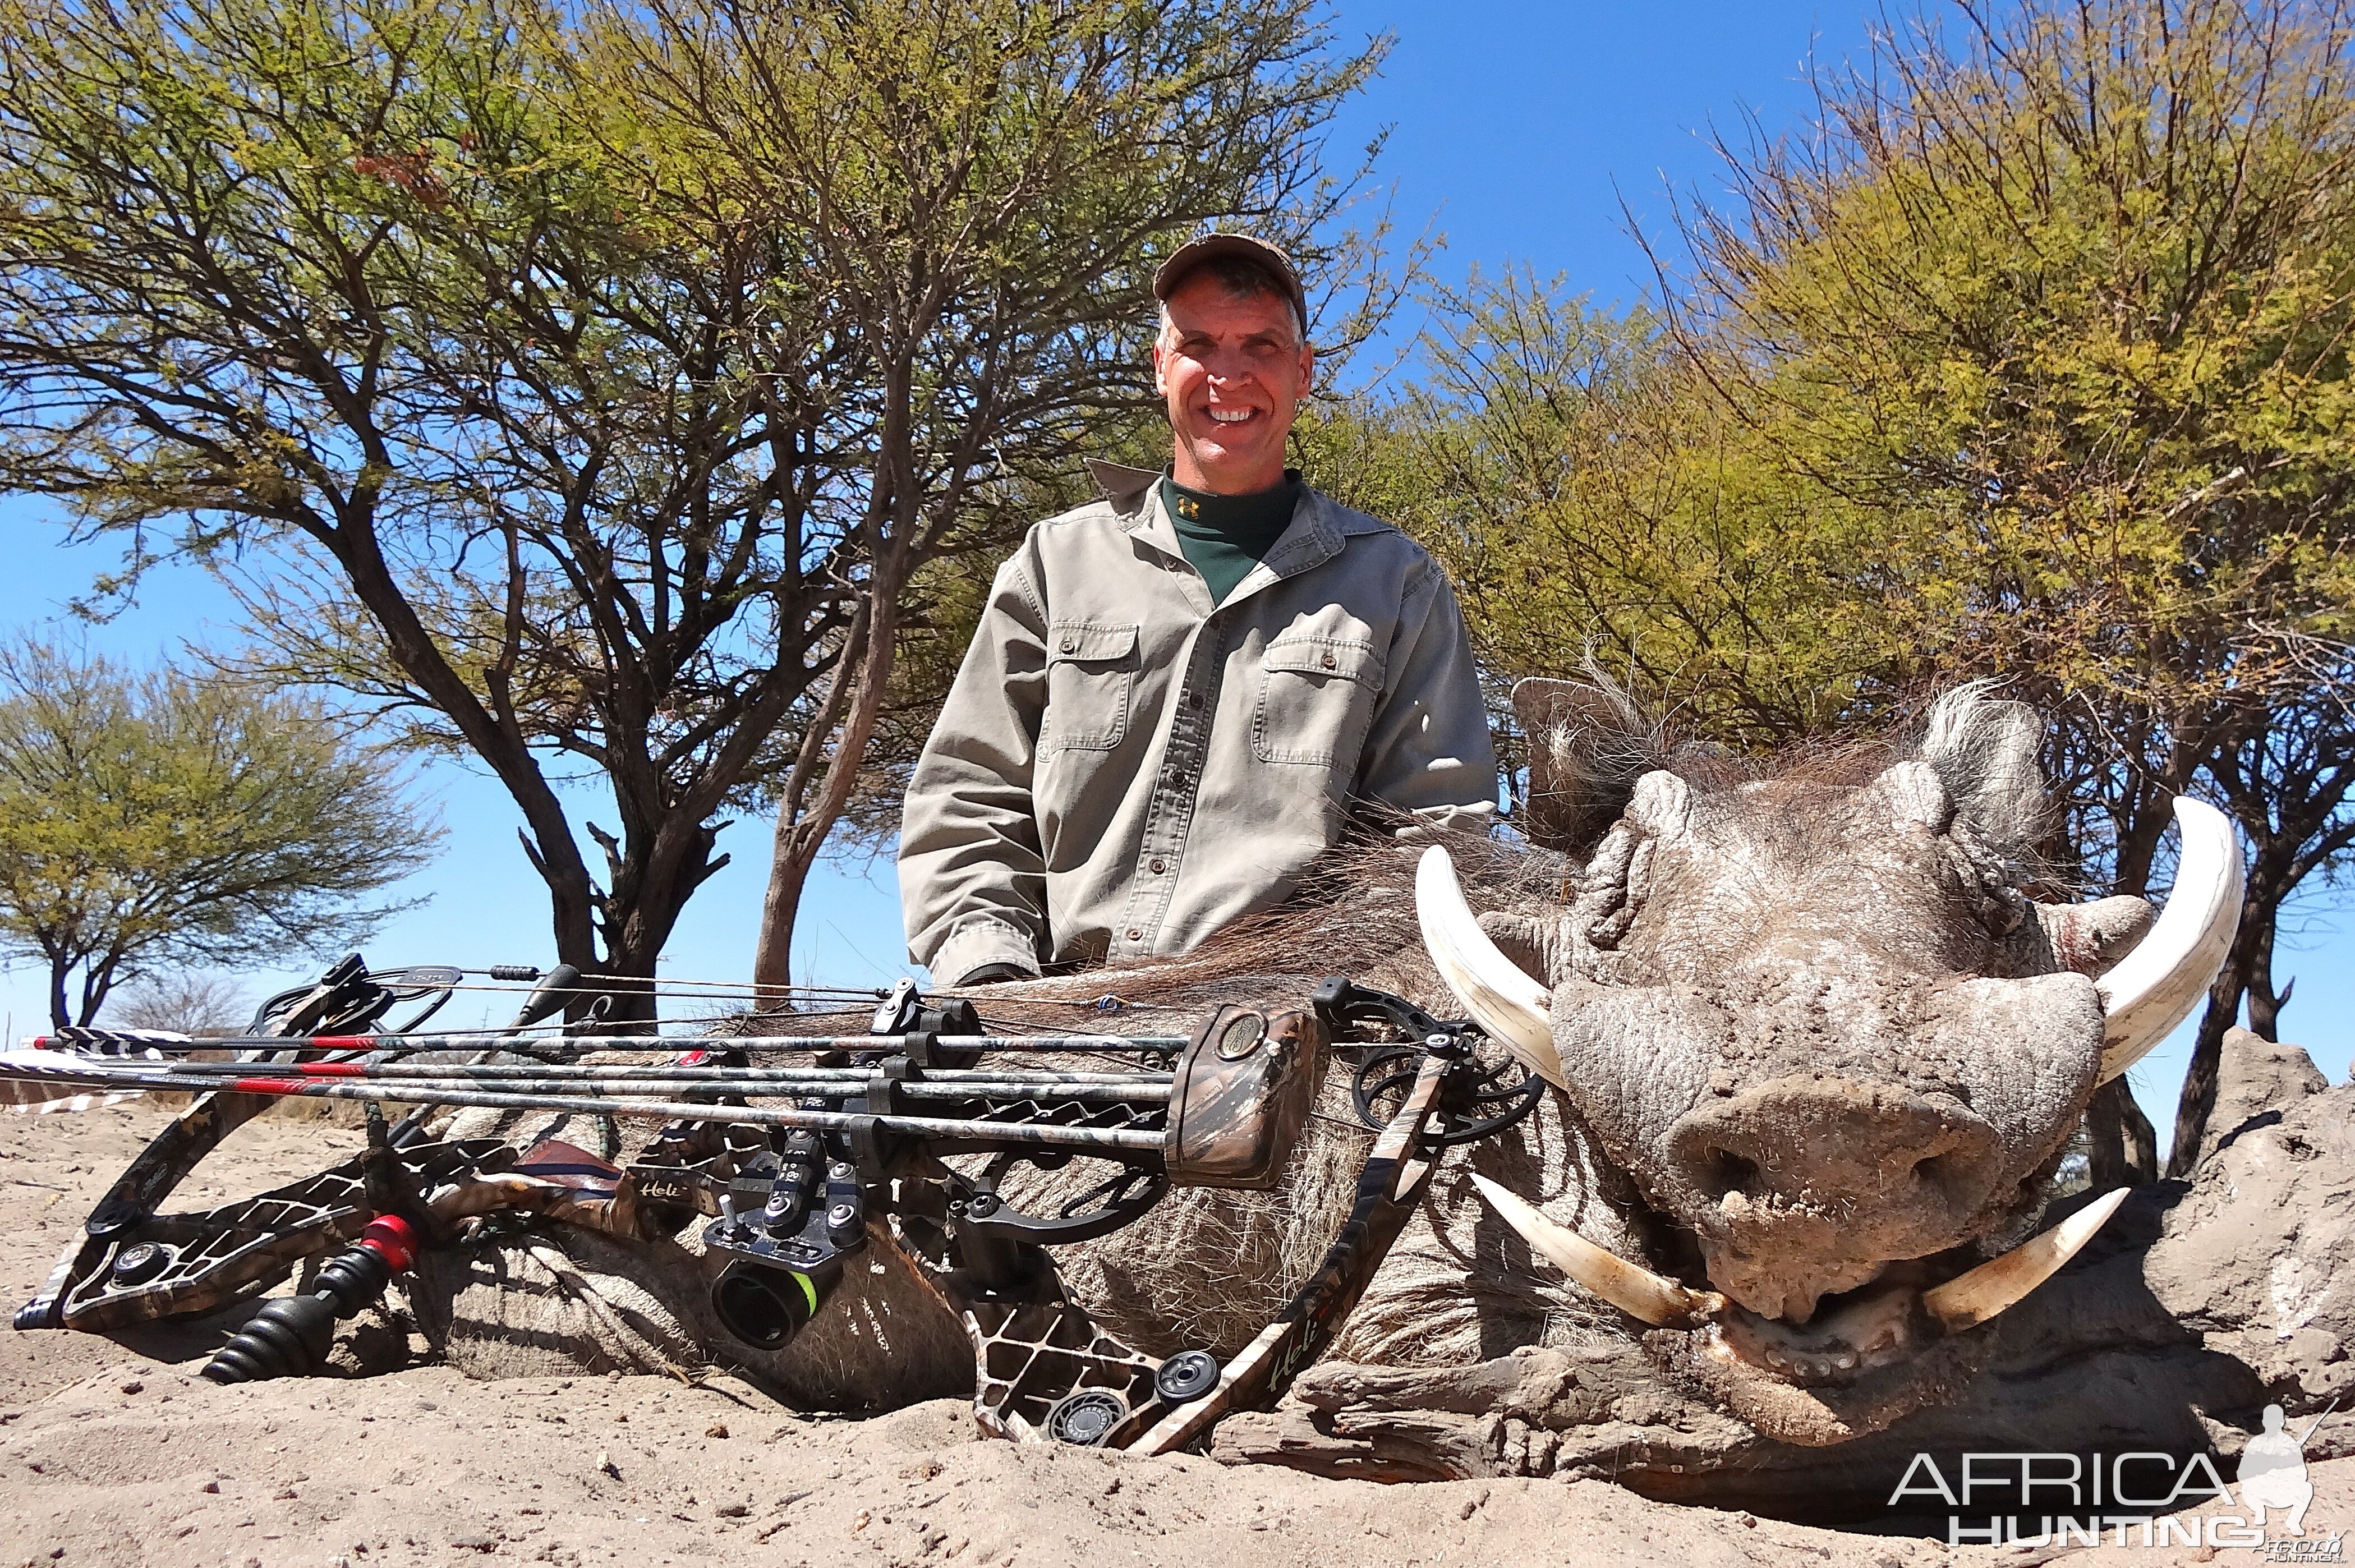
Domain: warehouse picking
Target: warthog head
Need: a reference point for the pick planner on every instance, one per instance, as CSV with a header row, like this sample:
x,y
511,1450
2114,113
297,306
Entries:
x,y
1827,1032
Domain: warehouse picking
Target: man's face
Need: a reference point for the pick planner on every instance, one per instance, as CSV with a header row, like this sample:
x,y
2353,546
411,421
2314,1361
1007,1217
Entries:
x,y
1234,372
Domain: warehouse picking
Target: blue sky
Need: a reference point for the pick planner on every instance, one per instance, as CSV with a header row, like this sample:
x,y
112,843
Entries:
x,y
1519,130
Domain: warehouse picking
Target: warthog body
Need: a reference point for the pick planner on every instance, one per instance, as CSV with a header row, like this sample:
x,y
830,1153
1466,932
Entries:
x,y
1820,1051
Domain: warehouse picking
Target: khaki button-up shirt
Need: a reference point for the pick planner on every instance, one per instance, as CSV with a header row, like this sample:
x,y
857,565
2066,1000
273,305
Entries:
x,y
1122,768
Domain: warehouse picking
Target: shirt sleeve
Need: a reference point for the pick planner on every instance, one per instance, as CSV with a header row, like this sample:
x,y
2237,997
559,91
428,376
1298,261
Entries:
x,y
973,881
1428,751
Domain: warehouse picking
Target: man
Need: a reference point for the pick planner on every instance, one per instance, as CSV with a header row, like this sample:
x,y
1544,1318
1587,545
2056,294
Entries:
x,y
1178,693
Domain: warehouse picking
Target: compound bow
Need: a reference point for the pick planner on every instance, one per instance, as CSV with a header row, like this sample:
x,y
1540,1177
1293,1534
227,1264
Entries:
x,y
842,1152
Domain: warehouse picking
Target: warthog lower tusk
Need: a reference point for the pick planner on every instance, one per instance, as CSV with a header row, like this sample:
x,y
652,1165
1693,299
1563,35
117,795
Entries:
x,y
1501,1000
1635,1291
2155,987
1976,1296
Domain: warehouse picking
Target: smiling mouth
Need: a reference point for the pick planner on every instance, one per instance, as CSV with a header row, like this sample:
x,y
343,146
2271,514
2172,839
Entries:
x,y
1888,1320
1230,417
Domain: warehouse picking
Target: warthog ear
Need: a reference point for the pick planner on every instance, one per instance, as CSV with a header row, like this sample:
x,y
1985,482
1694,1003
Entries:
x,y
1984,750
1586,753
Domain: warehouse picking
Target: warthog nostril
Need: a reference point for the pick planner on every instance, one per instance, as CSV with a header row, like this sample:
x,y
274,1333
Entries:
x,y
1939,1173
1721,1171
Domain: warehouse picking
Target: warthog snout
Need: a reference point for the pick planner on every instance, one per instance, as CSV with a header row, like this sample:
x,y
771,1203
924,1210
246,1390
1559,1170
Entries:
x,y
1808,1184
1827,1142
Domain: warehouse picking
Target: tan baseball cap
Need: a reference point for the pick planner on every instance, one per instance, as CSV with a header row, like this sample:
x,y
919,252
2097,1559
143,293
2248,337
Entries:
x,y
1211,247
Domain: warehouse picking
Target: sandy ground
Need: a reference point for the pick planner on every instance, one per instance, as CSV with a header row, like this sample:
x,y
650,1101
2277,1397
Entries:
x,y
117,1454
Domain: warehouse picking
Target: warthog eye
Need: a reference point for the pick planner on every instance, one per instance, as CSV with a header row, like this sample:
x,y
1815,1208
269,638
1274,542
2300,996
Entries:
x,y
1989,881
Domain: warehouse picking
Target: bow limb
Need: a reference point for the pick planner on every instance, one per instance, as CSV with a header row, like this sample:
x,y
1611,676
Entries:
x,y
1388,1190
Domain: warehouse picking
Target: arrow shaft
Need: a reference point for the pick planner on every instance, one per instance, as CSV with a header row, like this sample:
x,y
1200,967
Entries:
x,y
1036,1135
507,1040
1094,1088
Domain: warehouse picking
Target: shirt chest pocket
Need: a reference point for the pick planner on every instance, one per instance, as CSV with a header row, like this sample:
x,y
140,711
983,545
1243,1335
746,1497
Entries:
x,y
1316,696
1090,682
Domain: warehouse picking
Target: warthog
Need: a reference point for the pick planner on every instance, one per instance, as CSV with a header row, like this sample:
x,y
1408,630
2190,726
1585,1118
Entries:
x,y
1821,1025
1818,1049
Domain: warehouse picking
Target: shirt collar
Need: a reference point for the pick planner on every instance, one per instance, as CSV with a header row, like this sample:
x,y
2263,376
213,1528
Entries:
x,y
1313,537
1124,487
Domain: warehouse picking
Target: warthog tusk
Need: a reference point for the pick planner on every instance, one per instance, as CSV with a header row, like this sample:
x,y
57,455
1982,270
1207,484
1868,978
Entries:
x,y
1635,1291
1976,1296
2155,987
1501,1000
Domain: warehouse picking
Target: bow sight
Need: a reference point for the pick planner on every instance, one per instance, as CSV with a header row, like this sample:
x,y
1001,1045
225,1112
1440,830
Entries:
x,y
792,1168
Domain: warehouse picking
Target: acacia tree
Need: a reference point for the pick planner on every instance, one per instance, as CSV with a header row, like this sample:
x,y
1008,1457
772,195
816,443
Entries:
x,y
606,376
326,296
153,821
1594,502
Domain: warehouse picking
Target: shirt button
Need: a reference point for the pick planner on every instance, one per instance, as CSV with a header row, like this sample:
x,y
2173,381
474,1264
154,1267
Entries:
x,y
1194,700
1134,934
1158,866
1069,646
1329,660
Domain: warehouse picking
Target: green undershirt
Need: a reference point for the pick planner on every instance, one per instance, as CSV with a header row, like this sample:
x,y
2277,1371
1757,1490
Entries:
x,y
1226,536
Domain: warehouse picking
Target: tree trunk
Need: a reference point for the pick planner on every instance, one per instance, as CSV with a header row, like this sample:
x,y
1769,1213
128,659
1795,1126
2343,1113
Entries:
x,y
58,1017
2122,1148
2251,955
780,912
652,882
802,835
573,901
2199,1096
352,541
2265,1003
97,980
